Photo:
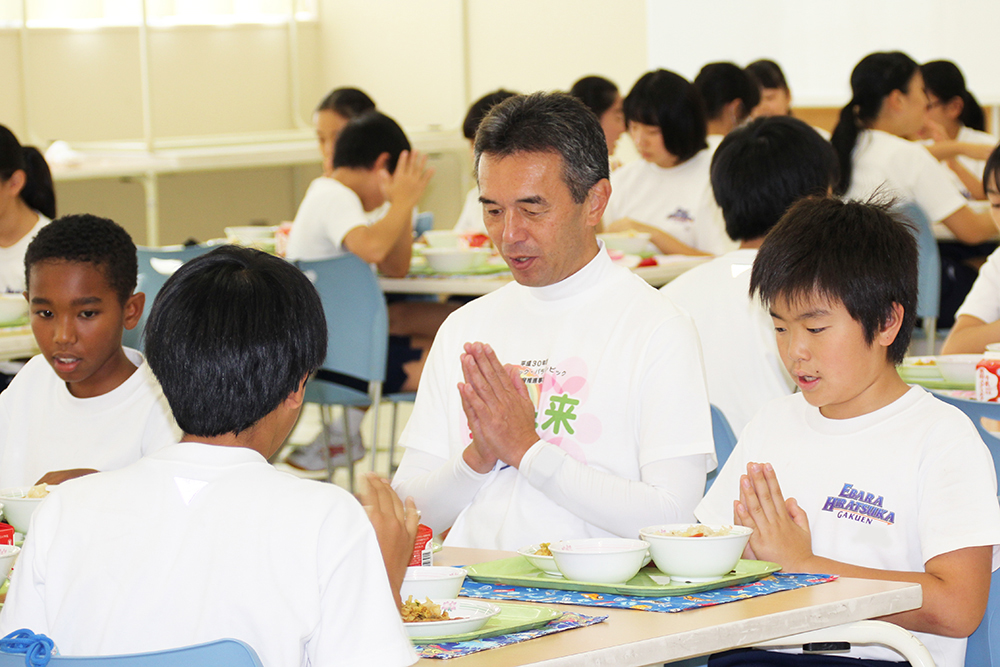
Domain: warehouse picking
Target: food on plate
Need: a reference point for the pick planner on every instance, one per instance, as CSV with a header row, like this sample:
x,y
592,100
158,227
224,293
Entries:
x,y
924,362
413,611
543,549
697,530
38,491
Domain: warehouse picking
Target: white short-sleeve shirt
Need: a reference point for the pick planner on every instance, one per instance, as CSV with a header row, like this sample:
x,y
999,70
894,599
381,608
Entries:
x,y
329,210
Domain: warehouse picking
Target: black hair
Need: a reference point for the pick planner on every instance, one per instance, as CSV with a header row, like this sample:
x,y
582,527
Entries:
x,y
760,169
673,104
480,108
873,79
87,238
365,138
721,83
231,335
38,192
548,123
596,92
991,172
860,254
944,80
768,74
347,102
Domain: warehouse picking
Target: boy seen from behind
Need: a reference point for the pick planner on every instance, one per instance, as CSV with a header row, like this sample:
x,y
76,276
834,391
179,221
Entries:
x,y
84,403
204,539
878,480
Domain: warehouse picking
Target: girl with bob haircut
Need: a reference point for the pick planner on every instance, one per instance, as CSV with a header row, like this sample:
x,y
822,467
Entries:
x,y
955,127
668,194
775,97
27,203
332,114
602,97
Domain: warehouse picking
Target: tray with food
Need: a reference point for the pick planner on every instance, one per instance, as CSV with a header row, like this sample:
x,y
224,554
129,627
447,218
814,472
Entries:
x,y
510,618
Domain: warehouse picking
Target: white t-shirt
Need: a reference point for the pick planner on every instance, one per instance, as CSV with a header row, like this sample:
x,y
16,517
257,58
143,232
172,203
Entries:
x,y
983,300
975,167
44,428
615,372
678,200
329,210
198,542
891,489
12,259
471,218
742,365
896,167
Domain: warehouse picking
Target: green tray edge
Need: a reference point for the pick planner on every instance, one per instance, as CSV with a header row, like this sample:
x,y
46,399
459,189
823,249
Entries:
x,y
486,631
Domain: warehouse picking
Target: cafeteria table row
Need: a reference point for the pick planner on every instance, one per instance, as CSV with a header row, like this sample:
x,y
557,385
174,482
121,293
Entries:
x,y
632,637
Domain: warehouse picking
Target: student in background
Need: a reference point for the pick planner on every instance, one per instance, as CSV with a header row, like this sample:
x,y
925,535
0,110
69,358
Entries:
x,y
471,218
602,97
779,160
668,193
859,474
775,97
85,403
729,94
871,140
333,114
954,118
977,322
168,552
27,203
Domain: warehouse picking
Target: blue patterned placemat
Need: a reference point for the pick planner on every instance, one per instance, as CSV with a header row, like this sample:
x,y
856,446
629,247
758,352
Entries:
x,y
446,650
779,581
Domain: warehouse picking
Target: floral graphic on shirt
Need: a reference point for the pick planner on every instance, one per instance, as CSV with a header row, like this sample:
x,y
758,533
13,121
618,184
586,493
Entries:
x,y
681,215
856,505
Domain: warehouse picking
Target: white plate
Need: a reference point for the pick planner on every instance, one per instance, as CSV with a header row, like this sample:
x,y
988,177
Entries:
x,y
546,564
470,616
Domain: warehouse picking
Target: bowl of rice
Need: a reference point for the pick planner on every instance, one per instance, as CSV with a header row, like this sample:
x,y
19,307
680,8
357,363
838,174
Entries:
x,y
695,552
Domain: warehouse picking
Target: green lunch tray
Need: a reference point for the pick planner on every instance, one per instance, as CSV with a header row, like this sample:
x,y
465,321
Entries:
x,y
512,618
518,571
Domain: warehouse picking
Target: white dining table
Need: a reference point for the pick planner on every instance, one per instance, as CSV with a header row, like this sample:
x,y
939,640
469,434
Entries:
x,y
668,268
632,637
17,343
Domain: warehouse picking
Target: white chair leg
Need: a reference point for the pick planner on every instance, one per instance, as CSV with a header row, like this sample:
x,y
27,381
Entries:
x,y
930,330
392,438
348,449
863,632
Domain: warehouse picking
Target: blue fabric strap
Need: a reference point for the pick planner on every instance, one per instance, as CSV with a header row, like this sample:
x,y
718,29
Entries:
x,y
37,649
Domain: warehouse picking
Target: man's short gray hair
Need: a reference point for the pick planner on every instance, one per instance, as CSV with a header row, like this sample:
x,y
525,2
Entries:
x,y
548,123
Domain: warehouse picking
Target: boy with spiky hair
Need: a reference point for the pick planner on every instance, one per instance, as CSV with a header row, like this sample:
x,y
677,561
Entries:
x,y
85,403
878,480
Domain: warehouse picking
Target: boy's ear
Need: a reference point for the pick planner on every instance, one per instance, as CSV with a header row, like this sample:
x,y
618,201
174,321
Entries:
x,y
890,329
297,397
133,309
381,162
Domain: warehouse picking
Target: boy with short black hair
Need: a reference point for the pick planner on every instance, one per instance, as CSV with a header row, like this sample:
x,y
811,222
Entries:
x,y
882,480
85,403
204,539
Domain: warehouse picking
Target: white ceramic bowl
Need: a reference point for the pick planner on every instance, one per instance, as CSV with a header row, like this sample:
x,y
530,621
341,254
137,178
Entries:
x,y
442,238
631,243
546,564
695,558
468,616
434,582
603,560
13,307
17,507
455,260
8,554
958,368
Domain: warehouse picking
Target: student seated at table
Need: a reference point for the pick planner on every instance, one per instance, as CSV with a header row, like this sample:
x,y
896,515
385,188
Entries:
x,y
602,97
780,160
729,94
859,474
204,539
331,117
775,96
668,193
471,218
977,322
85,403
570,403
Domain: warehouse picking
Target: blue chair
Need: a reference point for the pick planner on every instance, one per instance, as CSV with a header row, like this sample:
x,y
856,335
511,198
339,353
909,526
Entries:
x,y
928,271
725,440
155,266
358,337
976,411
220,653
983,649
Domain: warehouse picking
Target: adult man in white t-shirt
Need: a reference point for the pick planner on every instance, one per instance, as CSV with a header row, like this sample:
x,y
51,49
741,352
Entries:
x,y
568,404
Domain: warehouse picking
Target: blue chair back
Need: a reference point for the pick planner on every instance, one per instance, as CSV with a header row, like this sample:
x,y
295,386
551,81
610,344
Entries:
x,y
725,440
928,262
983,649
220,653
155,266
357,324
976,410
423,222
